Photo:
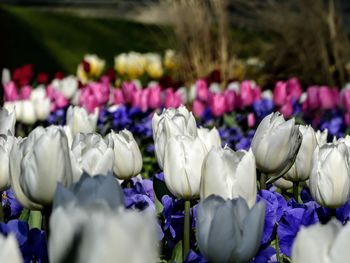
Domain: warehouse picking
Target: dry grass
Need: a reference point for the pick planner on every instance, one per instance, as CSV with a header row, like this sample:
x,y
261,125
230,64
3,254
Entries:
x,y
310,39
202,33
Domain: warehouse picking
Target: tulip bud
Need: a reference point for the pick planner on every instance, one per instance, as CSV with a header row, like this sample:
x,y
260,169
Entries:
x,y
330,175
9,250
227,231
183,160
301,169
237,176
321,137
45,162
283,183
275,145
79,121
7,121
127,154
210,138
322,243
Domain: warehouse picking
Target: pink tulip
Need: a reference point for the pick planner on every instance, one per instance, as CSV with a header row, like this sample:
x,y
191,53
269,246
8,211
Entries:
x,y
198,108
172,99
328,98
136,98
128,90
347,119
345,100
202,91
154,97
312,98
88,100
10,91
248,93
218,106
144,100
230,99
118,97
25,92
251,120
280,93
287,110
294,89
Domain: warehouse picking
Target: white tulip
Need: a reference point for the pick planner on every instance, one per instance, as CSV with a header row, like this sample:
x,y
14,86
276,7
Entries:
x,y
14,106
27,115
68,86
45,162
9,250
283,183
211,138
103,236
6,76
229,174
322,243
79,120
184,156
6,143
330,176
127,154
172,122
301,169
92,154
275,145
7,121
321,137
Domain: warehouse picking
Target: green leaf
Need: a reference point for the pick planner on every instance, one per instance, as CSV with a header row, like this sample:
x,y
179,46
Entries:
x,y
230,121
35,219
177,253
160,188
159,206
24,215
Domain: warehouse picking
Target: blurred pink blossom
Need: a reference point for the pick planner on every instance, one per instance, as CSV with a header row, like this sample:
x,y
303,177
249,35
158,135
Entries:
x,y
118,97
202,91
154,100
218,105
198,108
10,91
25,92
251,120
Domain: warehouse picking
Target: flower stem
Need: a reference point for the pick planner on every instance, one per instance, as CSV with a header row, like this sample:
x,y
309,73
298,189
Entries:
x,y
278,256
296,191
186,238
2,217
262,181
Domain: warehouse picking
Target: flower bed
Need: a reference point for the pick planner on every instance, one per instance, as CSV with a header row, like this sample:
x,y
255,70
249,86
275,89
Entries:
x,y
109,169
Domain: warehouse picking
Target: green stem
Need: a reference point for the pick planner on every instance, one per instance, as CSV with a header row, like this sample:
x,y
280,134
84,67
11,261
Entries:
x,y
262,181
277,246
296,191
186,238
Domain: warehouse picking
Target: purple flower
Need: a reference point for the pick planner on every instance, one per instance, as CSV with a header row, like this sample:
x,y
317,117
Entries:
x,y
193,257
275,204
12,208
265,254
140,195
262,108
292,220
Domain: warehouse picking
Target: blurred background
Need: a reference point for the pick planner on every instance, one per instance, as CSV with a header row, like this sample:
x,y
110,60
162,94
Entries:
x,y
263,40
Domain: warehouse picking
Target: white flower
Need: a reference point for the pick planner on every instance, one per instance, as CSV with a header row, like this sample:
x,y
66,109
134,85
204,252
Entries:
x,y
79,120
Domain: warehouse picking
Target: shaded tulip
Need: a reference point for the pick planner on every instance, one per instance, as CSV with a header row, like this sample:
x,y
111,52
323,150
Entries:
x,y
227,231
118,97
280,93
80,121
229,174
202,91
25,92
183,160
230,100
99,235
330,175
312,100
301,169
322,243
7,121
45,162
9,249
127,154
275,145
99,189
92,154
210,138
